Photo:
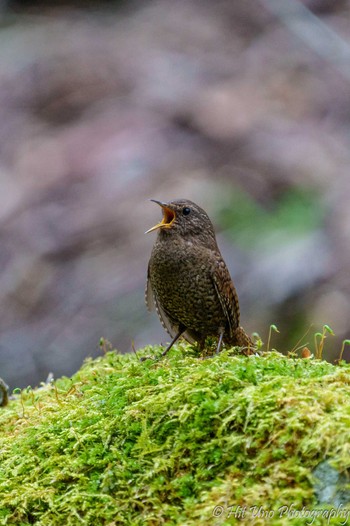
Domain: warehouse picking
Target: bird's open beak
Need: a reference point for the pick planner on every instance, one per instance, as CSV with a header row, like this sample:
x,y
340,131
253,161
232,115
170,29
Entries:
x,y
168,217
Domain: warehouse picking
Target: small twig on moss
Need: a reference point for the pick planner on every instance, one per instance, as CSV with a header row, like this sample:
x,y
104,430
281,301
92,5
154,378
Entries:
x,y
345,342
299,345
320,345
56,394
37,406
295,350
272,328
133,349
105,345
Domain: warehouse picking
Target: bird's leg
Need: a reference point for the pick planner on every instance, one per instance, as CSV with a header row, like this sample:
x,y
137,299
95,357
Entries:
x,y
221,335
201,344
174,340
179,333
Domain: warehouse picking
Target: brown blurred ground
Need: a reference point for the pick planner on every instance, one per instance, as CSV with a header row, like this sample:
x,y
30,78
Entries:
x,y
103,107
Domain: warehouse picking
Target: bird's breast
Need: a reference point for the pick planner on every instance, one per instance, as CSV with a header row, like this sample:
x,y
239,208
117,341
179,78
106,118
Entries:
x,y
181,277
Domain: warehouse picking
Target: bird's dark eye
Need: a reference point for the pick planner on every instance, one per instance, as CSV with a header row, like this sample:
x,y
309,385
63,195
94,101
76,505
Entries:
x,y
186,211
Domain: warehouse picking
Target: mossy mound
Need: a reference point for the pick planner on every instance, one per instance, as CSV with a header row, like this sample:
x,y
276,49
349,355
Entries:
x,y
177,441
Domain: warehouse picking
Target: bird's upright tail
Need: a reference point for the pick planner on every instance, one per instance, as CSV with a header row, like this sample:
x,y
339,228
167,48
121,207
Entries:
x,y
243,340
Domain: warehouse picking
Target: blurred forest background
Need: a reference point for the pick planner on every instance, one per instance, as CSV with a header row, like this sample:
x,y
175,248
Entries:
x,y
241,106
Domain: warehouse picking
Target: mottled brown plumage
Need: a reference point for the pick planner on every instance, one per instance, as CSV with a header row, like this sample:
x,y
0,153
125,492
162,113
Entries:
x,y
188,282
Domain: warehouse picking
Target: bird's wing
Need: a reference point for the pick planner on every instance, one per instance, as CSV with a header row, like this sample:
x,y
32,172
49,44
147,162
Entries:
x,y
149,296
227,294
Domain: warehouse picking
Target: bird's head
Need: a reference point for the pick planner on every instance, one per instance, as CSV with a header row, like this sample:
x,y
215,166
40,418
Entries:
x,y
186,219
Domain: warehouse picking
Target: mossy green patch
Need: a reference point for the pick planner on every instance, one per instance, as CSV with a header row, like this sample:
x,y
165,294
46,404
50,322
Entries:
x,y
179,441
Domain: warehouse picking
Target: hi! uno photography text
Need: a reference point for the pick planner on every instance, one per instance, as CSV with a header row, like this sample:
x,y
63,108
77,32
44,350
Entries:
x,y
291,512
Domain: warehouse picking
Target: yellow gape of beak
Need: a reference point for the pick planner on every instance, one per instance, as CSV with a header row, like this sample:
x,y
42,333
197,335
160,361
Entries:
x,y
168,217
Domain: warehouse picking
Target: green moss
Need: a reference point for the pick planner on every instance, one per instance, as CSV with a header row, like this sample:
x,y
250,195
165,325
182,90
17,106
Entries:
x,y
164,442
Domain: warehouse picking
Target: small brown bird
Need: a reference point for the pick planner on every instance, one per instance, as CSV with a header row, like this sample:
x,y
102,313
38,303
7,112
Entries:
x,y
188,282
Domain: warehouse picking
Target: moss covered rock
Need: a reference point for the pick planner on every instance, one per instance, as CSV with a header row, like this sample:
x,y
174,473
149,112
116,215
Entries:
x,y
227,440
